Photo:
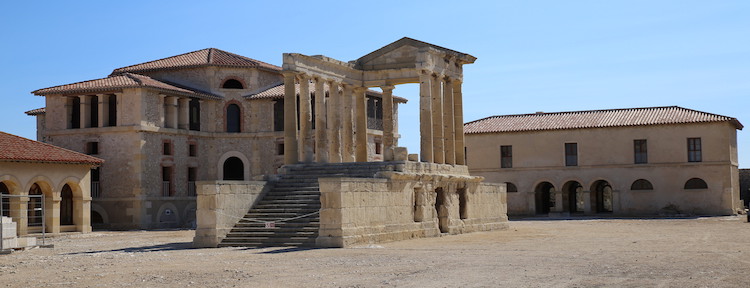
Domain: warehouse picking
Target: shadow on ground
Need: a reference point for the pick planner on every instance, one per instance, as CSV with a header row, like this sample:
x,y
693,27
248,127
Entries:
x,y
145,249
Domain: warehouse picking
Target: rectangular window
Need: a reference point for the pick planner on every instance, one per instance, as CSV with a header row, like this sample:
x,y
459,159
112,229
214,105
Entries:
x,y
166,188
694,150
167,148
571,154
640,151
506,156
280,149
192,176
192,150
92,148
112,110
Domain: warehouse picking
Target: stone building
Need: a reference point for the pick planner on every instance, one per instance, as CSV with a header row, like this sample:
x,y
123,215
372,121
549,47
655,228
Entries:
x,y
165,124
62,176
639,161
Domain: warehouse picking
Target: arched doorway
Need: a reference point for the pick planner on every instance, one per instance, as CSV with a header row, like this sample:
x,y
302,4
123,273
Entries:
x,y
233,118
602,196
66,206
234,169
6,200
35,206
573,201
544,197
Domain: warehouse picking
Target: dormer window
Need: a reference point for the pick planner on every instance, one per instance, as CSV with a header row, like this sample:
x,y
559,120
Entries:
x,y
232,84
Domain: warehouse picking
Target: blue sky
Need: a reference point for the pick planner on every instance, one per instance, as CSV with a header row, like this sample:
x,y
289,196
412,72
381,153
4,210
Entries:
x,y
532,55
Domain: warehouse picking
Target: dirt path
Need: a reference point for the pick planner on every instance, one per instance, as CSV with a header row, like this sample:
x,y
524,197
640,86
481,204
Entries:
x,y
705,252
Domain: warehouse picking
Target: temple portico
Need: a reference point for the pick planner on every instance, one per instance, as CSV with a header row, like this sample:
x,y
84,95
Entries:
x,y
343,113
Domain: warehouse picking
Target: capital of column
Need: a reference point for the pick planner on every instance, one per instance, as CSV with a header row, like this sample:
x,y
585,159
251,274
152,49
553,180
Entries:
x,y
387,87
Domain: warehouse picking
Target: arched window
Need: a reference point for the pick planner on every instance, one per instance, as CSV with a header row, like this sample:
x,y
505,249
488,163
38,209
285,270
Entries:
x,y
66,206
511,187
234,169
233,118
641,184
232,84
696,183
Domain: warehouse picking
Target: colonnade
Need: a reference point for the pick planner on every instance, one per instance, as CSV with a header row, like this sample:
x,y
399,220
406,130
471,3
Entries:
x,y
103,110
343,118
340,120
176,112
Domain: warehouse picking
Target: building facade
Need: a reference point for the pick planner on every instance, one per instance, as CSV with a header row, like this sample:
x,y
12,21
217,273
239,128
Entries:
x,y
640,161
44,186
164,124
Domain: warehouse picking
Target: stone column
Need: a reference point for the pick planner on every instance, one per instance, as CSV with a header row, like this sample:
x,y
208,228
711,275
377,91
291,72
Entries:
x,y
171,117
183,119
449,127
290,119
425,117
334,122
388,143
437,120
52,214
85,111
458,115
347,133
305,121
360,114
587,202
321,139
103,109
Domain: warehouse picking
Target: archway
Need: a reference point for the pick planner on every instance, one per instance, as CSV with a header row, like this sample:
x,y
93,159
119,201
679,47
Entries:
x,y
34,210
66,205
6,200
602,196
234,118
234,169
544,198
573,201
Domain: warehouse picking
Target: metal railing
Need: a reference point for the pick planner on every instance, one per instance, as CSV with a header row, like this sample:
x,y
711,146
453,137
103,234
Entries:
x,y
191,189
95,191
165,189
32,214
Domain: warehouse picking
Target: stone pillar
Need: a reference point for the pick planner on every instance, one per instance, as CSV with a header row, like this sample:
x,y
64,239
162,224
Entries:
x,y
85,111
347,133
458,120
559,205
18,208
586,202
52,214
334,122
171,115
449,126
388,143
321,137
305,121
360,114
183,119
103,110
290,119
425,117
437,120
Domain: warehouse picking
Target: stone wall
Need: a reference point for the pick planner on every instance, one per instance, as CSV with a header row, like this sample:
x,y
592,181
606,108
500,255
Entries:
x,y
220,206
356,211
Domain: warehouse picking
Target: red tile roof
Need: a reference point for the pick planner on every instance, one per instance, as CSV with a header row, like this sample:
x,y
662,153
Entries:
x,y
594,119
204,57
18,149
277,92
36,111
118,82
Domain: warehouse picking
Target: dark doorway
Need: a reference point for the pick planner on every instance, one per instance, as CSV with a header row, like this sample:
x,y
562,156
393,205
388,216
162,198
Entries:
x,y
544,198
234,169
573,201
66,206
602,196
6,201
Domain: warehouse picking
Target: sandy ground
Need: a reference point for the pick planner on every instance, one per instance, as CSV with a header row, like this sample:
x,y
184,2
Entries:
x,y
701,252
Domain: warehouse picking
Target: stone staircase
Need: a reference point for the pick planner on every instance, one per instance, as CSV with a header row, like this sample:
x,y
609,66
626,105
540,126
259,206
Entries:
x,y
285,216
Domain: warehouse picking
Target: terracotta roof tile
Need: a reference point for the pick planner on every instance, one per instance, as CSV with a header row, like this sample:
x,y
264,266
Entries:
x,y
204,57
118,82
18,149
36,111
277,92
594,119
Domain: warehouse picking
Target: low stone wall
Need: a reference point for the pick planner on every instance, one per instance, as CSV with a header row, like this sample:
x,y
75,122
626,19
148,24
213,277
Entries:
x,y
402,205
220,205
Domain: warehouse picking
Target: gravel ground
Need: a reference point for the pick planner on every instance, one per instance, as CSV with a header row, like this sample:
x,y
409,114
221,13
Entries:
x,y
698,252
